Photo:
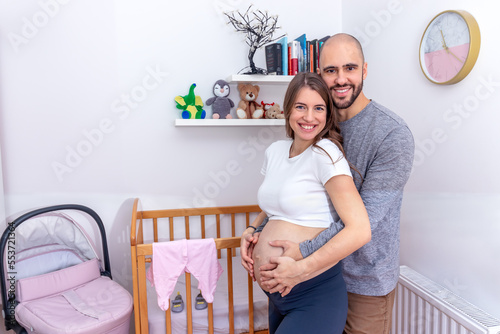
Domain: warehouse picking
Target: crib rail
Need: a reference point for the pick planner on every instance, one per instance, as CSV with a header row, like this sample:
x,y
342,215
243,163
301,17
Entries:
x,y
141,253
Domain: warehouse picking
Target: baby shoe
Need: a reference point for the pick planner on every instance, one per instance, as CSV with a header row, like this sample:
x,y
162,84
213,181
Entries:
x,y
177,303
201,303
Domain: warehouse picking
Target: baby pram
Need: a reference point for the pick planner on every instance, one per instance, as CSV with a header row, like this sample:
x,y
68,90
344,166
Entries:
x,y
52,279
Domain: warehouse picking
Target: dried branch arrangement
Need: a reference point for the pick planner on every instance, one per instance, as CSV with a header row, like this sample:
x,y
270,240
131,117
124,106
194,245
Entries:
x,y
259,28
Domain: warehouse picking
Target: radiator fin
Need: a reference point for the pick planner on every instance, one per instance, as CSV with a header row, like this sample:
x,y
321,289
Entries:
x,y
424,307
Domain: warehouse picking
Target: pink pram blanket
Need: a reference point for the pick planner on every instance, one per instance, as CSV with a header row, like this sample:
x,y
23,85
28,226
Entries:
x,y
95,304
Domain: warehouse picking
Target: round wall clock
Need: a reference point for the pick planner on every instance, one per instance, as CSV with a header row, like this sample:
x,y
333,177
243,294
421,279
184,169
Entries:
x,y
449,47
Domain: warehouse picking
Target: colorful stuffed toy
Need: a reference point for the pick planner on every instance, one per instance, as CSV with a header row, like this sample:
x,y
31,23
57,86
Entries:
x,y
265,107
273,110
192,105
247,107
222,104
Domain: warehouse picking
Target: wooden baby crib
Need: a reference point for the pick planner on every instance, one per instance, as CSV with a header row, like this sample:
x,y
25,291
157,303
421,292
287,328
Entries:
x,y
240,305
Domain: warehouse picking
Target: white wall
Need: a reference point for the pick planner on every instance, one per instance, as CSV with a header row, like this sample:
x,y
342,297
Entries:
x,y
71,78
2,200
450,219
71,75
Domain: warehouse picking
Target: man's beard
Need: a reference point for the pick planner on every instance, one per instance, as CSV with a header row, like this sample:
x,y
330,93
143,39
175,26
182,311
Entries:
x,y
346,103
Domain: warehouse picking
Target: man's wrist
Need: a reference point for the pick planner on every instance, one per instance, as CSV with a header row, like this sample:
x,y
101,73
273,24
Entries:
x,y
304,249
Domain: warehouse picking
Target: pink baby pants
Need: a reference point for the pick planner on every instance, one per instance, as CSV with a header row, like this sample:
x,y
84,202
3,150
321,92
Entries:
x,y
195,256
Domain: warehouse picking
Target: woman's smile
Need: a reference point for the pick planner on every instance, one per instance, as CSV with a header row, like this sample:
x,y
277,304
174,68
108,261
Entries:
x,y
307,118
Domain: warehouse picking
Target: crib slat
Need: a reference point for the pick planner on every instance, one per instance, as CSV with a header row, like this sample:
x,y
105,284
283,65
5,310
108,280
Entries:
x,y
136,237
171,228
210,318
233,232
186,221
155,229
202,226
133,229
188,304
168,321
135,288
250,305
140,236
143,303
230,290
217,218
233,225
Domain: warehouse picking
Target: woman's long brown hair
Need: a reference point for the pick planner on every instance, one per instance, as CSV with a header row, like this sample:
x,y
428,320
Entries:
x,y
331,130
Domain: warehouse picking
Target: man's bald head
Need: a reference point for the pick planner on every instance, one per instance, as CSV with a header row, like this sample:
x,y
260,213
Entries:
x,y
342,39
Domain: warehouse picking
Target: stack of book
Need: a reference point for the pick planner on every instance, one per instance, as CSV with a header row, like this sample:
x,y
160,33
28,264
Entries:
x,y
298,55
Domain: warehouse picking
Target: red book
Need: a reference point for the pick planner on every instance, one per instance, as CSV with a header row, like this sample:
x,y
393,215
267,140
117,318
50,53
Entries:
x,y
294,55
294,66
289,60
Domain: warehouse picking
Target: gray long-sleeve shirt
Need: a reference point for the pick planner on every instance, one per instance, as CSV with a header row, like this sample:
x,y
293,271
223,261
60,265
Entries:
x,y
381,146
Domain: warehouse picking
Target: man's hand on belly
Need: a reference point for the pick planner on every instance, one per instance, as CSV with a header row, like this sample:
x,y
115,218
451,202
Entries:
x,y
290,248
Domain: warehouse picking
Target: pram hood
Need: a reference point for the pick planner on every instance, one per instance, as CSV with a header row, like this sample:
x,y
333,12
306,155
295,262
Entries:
x,y
51,241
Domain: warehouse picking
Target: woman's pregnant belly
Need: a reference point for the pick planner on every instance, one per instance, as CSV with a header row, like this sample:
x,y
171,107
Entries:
x,y
278,230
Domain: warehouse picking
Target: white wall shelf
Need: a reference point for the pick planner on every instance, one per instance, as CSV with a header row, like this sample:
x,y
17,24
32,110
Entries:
x,y
229,122
260,78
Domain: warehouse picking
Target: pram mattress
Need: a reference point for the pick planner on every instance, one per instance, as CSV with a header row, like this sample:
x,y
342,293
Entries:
x,y
97,306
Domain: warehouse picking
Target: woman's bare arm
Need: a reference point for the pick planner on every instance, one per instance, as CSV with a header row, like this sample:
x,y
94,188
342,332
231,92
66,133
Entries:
x,y
356,233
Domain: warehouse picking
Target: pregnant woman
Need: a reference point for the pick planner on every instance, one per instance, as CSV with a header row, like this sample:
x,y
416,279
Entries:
x,y
306,180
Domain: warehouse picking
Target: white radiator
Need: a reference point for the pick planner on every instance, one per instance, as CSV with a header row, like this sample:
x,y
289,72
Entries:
x,y
424,307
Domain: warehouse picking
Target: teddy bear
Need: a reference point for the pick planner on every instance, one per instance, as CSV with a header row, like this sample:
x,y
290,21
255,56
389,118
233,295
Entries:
x,y
248,107
265,106
273,110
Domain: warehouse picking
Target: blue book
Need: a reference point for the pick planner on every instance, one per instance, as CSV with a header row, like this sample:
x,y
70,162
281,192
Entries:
x,y
303,57
323,40
284,54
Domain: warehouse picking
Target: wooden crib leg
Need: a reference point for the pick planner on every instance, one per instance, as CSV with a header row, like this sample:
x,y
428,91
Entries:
x,y
168,320
188,304
210,318
250,305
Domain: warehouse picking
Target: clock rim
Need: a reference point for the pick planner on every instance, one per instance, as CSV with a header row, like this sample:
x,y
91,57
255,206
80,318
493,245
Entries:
x,y
474,46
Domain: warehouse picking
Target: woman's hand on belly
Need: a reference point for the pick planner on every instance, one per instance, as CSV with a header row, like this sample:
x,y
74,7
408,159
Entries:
x,y
276,237
247,245
262,252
